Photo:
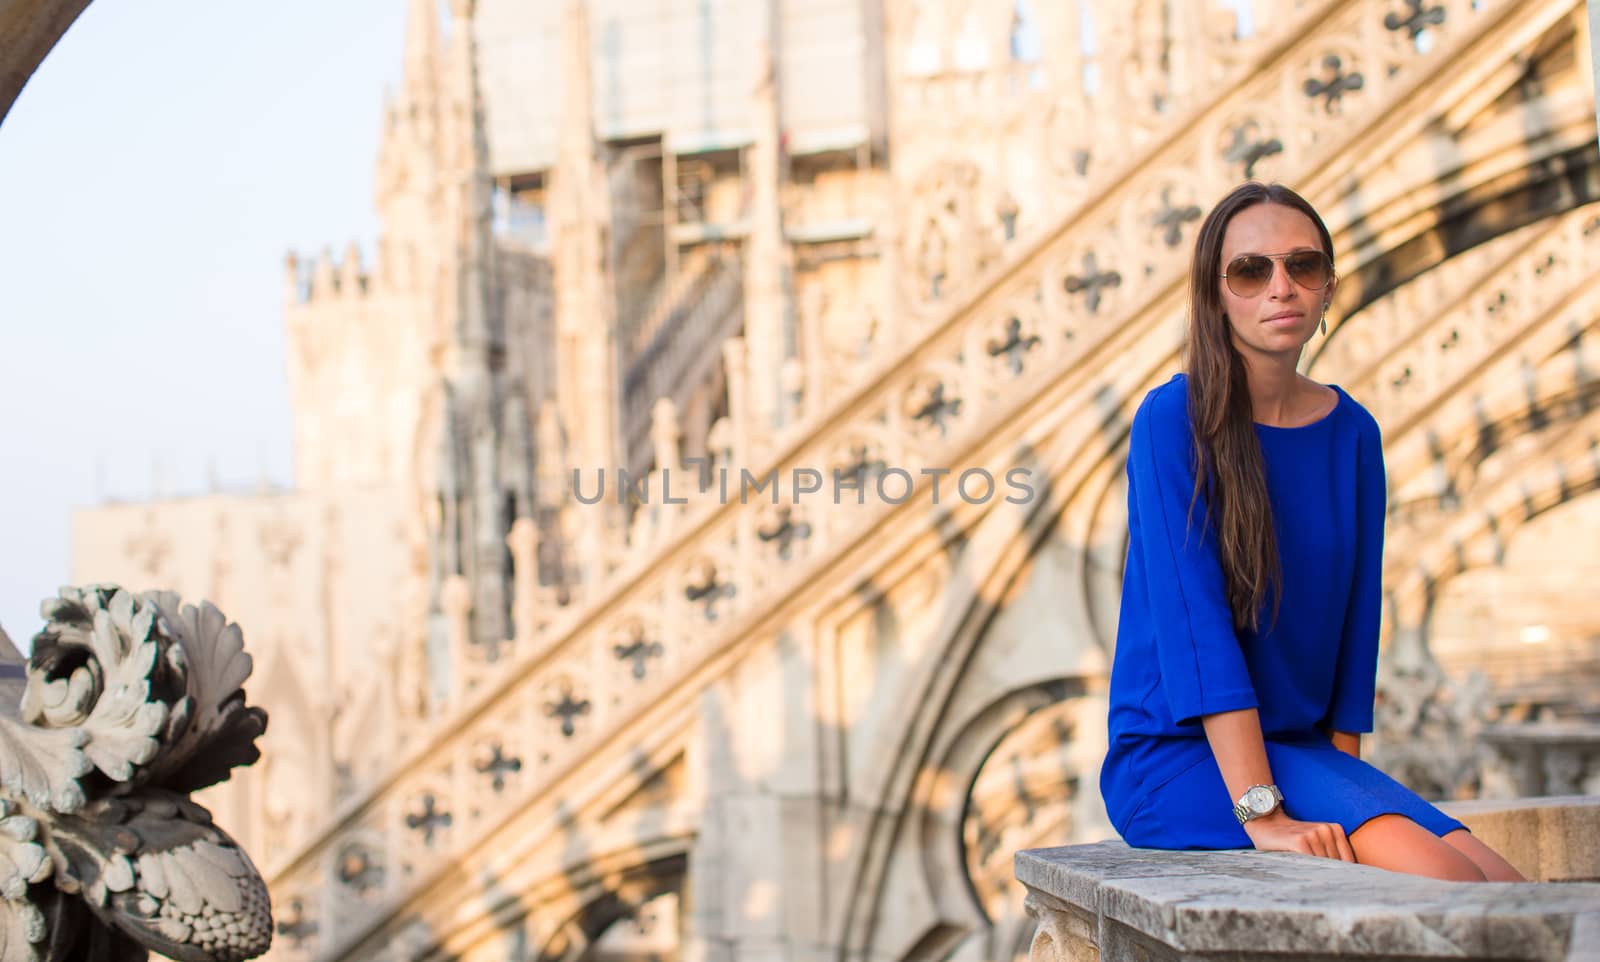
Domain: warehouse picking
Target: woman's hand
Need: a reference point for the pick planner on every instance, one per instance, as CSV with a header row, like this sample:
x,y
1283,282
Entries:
x,y
1280,833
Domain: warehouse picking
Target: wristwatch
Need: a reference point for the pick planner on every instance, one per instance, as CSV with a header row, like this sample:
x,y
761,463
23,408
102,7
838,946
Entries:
x,y
1256,802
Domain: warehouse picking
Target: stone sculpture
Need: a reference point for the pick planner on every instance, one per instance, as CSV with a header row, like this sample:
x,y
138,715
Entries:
x,y
132,703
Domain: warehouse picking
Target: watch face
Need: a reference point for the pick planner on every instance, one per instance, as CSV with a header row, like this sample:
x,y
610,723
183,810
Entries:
x,y
1259,800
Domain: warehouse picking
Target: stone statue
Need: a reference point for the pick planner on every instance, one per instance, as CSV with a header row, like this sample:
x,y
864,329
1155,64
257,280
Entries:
x,y
131,703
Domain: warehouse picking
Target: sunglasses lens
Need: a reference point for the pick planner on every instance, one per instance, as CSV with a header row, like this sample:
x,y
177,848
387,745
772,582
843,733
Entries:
x,y
1249,275
1309,269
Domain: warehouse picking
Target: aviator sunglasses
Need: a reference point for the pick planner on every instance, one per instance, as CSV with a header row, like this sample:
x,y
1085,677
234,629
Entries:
x,y
1249,274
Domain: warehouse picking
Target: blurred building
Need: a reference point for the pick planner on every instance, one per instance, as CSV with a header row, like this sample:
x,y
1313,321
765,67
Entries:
x,y
873,241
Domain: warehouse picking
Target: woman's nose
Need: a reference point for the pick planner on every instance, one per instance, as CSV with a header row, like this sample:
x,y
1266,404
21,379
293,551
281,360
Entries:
x,y
1280,286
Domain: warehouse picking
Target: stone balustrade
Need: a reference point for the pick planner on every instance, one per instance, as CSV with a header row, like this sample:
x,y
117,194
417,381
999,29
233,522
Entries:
x,y
1543,758
1107,901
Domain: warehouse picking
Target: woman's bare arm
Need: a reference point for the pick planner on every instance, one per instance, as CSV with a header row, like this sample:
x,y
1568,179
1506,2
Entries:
x,y
1241,753
1347,742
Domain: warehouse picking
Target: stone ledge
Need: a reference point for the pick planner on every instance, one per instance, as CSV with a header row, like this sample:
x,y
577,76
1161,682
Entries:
x,y
1110,902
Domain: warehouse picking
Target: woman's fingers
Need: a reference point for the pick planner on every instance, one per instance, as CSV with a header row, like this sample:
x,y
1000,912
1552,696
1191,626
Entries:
x,y
1319,839
1324,842
1346,853
1332,843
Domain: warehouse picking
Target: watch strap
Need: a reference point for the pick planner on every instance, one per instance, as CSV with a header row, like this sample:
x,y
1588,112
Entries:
x,y
1244,813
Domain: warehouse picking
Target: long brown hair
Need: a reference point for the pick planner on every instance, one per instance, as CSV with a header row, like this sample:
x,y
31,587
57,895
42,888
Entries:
x,y
1229,470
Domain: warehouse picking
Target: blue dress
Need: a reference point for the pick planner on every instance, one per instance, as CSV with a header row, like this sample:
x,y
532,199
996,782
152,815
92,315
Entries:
x,y
1178,656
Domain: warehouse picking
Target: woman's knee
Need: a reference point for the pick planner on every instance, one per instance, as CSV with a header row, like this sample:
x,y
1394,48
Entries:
x,y
1494,867
1398,844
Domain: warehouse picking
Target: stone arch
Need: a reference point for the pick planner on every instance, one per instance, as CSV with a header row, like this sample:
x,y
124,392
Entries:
x,y
1032,787
924,743
362,737
602,898
281,823
28,30
943,790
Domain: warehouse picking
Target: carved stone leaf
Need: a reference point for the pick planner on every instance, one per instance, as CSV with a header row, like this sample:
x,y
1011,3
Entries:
x,y
22,929
99,667
43,765
125,721
213,715
23,861
155,868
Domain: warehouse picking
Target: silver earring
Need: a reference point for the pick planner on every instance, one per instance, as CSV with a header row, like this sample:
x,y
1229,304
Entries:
x,y
1324,320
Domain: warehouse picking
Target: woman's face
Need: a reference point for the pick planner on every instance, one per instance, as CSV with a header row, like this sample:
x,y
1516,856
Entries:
x,y
1281,318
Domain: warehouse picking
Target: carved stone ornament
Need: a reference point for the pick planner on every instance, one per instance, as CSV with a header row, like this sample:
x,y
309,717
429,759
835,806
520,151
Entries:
x,y
132,702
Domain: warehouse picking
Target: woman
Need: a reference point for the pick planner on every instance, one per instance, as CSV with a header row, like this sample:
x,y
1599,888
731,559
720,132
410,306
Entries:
x,y
1248,642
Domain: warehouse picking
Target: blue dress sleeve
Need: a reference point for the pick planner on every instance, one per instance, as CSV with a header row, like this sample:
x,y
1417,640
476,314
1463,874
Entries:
x,y
1202,667
1355,678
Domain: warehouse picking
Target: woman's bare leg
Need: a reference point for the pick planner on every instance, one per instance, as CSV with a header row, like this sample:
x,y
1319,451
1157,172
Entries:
x,y
1398,844
1489,862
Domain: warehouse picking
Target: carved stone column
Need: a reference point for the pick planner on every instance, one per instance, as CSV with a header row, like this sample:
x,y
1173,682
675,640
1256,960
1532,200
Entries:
x,y
758,866
733,362
455,599
767,258
588,378
524,544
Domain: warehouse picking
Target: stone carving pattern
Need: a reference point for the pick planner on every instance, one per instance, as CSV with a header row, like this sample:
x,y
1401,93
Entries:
x,y
786,529
1429,355
567,709
1434,540
360,868
132,702
638,652
1333,83
1118,221
1427,723
494,763
1459,341
1348,352
1150,65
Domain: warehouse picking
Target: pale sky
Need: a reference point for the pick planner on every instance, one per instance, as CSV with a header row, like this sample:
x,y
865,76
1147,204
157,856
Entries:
x,y
152,176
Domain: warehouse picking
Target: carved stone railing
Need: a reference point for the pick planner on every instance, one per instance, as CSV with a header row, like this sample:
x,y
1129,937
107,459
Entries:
x,y
1516,297
1111,903
132,702
1543,758
1112,269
